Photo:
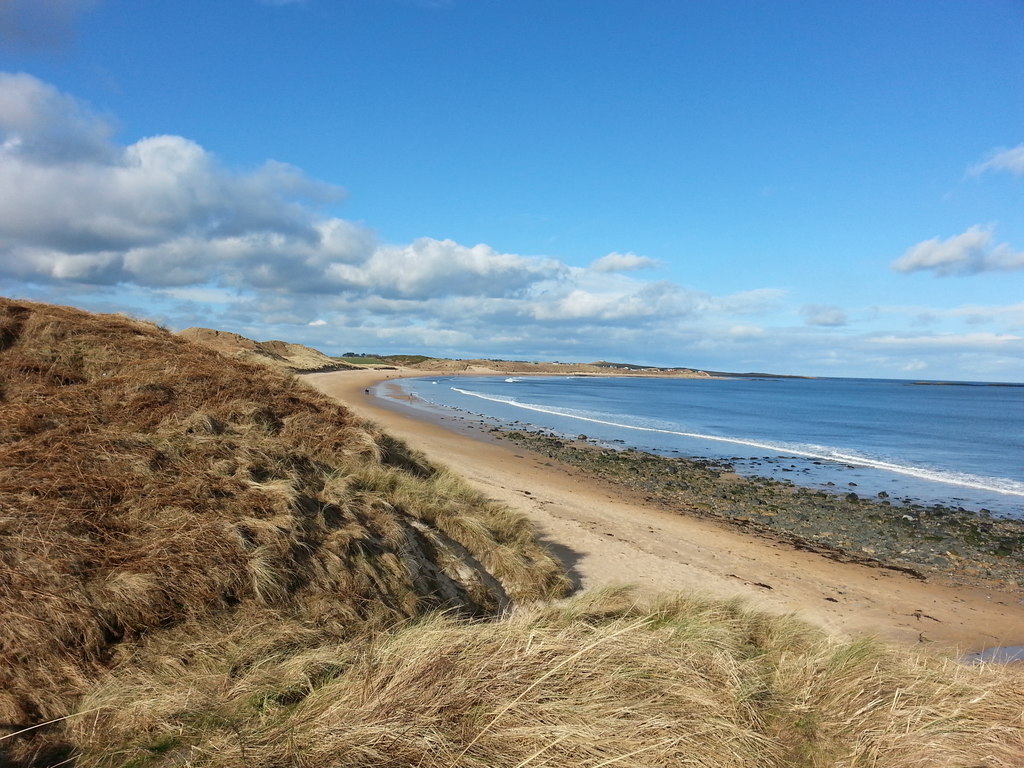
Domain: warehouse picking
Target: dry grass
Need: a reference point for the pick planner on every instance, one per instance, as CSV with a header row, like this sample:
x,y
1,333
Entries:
x,y
146,482
290,358
205,563
599,681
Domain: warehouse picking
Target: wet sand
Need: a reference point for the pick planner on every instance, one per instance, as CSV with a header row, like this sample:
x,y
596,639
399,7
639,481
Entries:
x,y
607,534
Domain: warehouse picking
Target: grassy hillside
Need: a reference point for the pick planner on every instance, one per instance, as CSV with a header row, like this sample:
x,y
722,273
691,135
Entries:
x,y
147,482
287,357
205,563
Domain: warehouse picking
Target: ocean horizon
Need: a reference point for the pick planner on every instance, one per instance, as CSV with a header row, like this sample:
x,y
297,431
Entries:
x,y
956,444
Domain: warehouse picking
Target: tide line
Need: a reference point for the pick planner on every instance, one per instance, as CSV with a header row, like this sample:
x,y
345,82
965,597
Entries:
x,y
994,485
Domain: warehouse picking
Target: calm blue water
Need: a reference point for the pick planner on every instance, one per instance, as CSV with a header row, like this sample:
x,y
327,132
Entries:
x,y
953,445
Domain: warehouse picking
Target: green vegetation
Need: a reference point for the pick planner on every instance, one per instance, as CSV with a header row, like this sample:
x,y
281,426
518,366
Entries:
x,y
363,358
203,562
370,358
407,359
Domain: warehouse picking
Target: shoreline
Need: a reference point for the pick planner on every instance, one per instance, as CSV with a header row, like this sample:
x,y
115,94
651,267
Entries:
x,y
975,481
607,534
954,544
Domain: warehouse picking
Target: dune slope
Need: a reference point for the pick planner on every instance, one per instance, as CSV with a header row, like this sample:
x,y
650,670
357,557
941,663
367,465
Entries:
x,y
146,482
283,355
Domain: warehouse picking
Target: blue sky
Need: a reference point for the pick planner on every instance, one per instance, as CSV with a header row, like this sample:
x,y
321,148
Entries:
x,y
813,188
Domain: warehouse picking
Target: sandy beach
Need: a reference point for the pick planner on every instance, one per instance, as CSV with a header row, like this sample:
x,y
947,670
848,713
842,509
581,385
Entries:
x,y
608,535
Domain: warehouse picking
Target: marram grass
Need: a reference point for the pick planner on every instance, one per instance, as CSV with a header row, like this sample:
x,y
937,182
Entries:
x,y
600,680
147,482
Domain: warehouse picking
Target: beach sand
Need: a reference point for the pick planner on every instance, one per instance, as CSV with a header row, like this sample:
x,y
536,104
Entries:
x,y
609,535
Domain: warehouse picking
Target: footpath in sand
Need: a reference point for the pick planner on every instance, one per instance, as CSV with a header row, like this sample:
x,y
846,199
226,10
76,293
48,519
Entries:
x,y
607,535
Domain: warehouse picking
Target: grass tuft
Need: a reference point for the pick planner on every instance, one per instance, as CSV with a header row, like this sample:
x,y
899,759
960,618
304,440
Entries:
x,y
602,680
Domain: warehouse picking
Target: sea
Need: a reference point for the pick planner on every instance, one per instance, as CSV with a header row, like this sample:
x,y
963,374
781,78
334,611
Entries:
x,y
960,445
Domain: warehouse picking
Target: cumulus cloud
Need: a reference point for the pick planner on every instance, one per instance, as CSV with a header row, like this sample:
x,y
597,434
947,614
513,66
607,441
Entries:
x,y
623,262
430,268
41,125
163,213
161,222
823,315
1009,160
968,253
65,190
627,301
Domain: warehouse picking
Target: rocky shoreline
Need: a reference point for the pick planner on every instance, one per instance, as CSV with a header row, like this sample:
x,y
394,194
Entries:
x,y
925,541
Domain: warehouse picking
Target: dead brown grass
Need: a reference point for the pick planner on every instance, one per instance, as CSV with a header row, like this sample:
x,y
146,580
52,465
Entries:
x,y
595,682
146,482
290,358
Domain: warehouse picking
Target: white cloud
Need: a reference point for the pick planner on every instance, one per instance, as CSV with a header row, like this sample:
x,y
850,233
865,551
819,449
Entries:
x,y
1012,314
65,187
623,262
628,301
968,253
755,302
163,213
40,124
161,226
430,268
941,341
823,315
912,366
1009,314
746,332
203,295
1010,160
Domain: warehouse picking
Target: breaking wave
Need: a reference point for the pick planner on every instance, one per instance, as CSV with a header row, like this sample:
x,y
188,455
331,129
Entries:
x,y
807,450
